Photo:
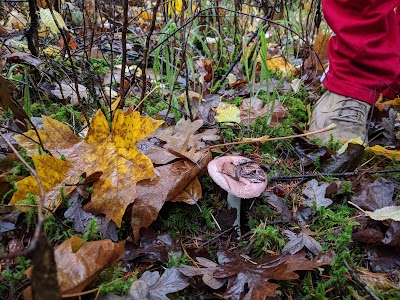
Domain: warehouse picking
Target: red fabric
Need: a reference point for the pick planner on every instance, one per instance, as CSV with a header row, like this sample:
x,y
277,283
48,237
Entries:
x,y
364,55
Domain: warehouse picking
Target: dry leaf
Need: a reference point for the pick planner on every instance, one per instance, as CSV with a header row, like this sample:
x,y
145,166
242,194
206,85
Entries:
x,y
151,286
182,140
379,150
113,153
315,192
281,65
299,241
385,213
227,113
191,194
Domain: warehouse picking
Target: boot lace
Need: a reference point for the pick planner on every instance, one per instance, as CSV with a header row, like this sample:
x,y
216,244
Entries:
x,y
351,111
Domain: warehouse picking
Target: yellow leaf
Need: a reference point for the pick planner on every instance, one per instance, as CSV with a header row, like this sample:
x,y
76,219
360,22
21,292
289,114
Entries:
x,y
47,19
279,64
144,15
379,150
113,153
227,113
52,50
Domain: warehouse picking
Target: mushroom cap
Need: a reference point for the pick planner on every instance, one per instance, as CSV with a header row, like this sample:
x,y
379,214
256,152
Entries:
x,y
238,175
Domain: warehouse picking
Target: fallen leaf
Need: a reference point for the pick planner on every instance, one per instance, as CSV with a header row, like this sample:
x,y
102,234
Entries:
x,y
152,286
153,246
279,64
251,109
379,150
152,193
191,194
375,195
113,153
80,262
47,19
228,113
24,58
81,218
6,101
252,279
182,140
299,241
68,92
385,213
315,192
206,273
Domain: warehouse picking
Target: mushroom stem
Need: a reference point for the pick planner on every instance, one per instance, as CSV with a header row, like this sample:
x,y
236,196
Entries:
x,y
234,202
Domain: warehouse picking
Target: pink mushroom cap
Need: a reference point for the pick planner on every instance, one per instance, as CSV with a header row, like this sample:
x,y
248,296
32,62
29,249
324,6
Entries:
x,y
238,175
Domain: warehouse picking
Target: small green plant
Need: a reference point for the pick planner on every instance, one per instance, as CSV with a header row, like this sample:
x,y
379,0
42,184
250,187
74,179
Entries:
x,y
92,234
112,281
13,278
176,260
30,204
266,238
56,231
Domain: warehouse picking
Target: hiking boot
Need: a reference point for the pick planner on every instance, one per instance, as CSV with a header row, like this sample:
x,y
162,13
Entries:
x,y
349,115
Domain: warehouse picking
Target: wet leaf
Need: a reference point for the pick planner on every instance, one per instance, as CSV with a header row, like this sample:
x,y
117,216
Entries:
x,y
152,286
206,273
257,275
80,262
375,195
81,218
345,162
315,192
299,241
279,64
251,109
113,153
383,259
6,101
25,58
153,246
152,194
68,92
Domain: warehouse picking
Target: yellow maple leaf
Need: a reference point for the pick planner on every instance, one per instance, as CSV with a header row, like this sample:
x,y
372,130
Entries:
x,y
112,152
379,150
227,113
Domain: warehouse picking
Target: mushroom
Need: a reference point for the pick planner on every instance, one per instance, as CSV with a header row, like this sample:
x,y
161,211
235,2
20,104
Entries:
x,y
240,177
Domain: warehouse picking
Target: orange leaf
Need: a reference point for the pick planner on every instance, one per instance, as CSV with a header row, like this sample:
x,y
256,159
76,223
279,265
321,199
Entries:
x,y
80,262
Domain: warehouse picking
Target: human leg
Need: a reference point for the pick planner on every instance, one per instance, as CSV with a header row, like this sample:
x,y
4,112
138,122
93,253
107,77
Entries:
x,y
364,60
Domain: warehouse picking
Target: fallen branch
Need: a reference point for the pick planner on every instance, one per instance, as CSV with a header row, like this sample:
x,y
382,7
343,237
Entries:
x,y
263,140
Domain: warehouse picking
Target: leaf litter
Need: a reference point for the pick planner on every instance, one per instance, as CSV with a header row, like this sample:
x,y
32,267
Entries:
x,y
132,193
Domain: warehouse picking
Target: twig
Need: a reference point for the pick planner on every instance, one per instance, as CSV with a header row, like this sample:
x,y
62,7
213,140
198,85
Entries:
x,y
124,50
71,61
345,174
257,140
32,33
147,96
146,51
357,279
